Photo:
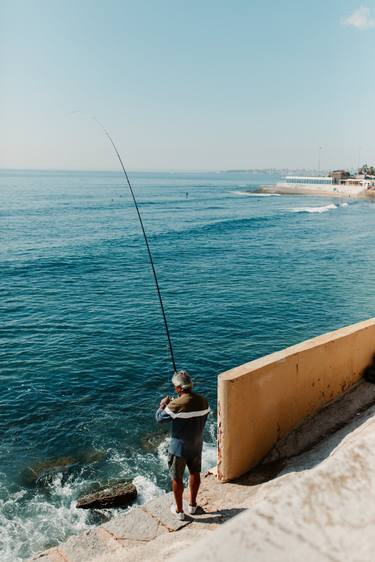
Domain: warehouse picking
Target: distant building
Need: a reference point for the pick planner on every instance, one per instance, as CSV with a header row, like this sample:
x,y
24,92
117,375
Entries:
x,y
339,175
338,182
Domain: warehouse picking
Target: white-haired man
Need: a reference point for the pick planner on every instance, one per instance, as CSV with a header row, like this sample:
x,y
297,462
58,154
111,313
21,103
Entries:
x,y
188,414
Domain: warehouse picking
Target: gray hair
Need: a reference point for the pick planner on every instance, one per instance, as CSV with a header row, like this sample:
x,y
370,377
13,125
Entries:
x,y
182,379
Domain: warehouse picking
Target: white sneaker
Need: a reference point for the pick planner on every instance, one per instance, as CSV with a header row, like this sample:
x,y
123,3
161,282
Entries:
x,y
192,509
180,515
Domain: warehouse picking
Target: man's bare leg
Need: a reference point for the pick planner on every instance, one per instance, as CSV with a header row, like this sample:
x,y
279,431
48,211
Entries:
x,y
178,490
194,483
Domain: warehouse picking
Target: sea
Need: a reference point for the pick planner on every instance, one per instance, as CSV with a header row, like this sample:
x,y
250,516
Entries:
x,y
84,359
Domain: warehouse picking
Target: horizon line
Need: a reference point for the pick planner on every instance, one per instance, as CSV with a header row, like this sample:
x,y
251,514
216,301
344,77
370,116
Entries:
x,y
160,170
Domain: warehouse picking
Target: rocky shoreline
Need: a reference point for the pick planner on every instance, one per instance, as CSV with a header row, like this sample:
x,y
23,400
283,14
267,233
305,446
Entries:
x,y
314,454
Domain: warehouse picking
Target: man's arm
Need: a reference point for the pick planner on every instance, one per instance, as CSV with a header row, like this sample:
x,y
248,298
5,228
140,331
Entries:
x,y
161,415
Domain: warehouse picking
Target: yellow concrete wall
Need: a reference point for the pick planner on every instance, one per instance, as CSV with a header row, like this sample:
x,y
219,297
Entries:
x,y
261,401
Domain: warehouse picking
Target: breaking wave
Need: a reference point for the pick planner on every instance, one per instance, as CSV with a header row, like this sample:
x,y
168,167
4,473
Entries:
x,y
323,209
29,524
255,194
32,522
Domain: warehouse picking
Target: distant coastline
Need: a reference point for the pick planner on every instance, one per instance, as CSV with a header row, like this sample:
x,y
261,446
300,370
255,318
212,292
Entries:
x,y
273,189
337,183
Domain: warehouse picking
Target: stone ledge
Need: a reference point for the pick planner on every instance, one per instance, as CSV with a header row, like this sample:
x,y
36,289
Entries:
x,y
160,509
84,547
51,555
122,533
324,513
137,525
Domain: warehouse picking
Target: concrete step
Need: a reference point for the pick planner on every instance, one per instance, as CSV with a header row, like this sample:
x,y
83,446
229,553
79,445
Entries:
x,y
123,533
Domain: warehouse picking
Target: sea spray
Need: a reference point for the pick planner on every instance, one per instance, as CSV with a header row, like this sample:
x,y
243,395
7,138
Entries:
x,y
323,209
31,523
255,194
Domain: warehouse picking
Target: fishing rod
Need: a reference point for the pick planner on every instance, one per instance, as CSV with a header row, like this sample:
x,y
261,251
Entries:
x,y
146,242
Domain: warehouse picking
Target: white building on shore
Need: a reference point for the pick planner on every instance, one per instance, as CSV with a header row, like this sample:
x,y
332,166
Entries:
x,y
335,184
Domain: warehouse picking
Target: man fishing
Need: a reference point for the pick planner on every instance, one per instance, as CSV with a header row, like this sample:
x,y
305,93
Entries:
x,y
188,414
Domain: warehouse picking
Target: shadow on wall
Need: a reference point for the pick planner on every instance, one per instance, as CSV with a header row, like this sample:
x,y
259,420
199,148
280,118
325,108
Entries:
x,y
314,440
260,403
369,372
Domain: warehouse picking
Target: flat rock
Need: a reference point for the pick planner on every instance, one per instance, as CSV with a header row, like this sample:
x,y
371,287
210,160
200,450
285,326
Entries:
x,y
88,545
119,495
160,508
51,555
137,525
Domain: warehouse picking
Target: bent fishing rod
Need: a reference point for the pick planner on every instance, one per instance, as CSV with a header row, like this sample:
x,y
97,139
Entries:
x,y
146,242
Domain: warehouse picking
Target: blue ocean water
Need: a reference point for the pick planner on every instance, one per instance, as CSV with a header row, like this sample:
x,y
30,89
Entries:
x,y
83,355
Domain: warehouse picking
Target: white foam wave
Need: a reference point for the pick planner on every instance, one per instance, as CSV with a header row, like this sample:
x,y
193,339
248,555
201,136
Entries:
x,y
323,209
254,194
29,525
144,481
209,456
163,452
344,205
32,523
147,489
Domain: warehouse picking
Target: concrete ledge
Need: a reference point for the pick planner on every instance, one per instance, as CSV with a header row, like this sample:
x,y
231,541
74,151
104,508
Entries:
x,y
325,514
261,401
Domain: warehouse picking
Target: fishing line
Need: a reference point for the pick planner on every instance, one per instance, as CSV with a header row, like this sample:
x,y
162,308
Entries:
x,y
146,242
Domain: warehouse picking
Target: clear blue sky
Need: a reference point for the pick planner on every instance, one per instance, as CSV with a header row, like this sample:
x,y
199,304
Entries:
x,y
198,84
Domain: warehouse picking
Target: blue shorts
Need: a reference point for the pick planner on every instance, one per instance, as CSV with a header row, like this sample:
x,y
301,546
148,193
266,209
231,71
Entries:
x,y
177,465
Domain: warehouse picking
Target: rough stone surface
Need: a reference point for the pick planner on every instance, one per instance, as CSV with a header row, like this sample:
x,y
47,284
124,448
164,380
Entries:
x,y
88,545
325,513
137,525
51,555
317,506
119,495
160,509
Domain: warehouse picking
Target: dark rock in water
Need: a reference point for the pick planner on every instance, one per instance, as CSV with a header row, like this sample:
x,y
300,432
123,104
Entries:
x,y
119,495
42,473
151,441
